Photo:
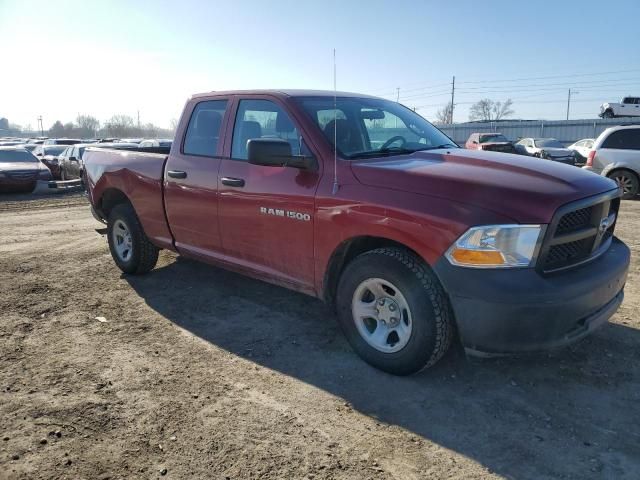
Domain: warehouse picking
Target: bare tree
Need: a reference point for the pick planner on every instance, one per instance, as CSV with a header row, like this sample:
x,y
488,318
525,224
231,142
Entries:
x,y
88,125
56,130
445,114
490,110
119,125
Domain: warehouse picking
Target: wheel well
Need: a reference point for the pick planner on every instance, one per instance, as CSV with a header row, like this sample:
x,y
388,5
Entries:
x,y
623,169
111,198
347,251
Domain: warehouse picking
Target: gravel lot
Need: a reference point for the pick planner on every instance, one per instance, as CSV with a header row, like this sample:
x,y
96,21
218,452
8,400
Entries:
x,y
201,373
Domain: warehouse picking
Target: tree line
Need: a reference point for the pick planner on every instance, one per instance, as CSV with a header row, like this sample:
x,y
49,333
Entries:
x,y
118,126
88,126
486,110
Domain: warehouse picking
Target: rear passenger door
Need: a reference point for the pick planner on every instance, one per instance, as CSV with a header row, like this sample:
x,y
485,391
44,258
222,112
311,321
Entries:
x,y
266,213
191,179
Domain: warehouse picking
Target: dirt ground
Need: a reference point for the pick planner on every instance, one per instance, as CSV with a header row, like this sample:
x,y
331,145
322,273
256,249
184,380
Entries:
x,y
201,373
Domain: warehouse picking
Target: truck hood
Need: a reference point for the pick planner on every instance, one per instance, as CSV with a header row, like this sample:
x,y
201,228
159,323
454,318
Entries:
x,y
523,188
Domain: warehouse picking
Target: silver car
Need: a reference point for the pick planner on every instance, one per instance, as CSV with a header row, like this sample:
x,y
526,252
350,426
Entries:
x,y
616,154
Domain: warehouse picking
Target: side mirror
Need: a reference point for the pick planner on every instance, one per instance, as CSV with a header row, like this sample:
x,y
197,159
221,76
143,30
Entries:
x,y
274,152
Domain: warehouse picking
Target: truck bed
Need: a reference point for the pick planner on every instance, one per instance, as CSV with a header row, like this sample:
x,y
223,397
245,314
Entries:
x,y
139,175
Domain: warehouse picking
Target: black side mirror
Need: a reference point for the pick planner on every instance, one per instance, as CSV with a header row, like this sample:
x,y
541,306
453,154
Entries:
x,y
274,152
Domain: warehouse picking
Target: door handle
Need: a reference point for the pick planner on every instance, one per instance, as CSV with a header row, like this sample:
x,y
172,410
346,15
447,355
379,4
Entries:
x,y
177,174
232,182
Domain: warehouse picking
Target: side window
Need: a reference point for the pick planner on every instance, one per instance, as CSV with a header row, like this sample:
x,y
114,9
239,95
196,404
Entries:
x,y
203,131
628,139
262,119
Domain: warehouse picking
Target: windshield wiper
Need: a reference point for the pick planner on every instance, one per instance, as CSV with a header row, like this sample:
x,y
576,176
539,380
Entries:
x,y
444,145
383,152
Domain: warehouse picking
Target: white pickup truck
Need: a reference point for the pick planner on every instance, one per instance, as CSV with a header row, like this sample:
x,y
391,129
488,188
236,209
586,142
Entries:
x,y
628,107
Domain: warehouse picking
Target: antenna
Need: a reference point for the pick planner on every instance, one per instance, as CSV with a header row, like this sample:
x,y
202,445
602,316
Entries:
x,y
335,128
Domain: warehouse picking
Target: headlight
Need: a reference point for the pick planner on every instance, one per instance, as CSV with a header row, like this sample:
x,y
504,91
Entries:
x,y
496,246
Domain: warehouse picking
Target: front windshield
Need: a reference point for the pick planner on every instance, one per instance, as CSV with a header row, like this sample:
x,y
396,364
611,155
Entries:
x,y
8,156
493,138
54,150
367,127
547,142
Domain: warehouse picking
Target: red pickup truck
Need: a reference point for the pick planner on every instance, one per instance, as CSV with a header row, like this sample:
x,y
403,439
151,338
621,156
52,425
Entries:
x,y
361,202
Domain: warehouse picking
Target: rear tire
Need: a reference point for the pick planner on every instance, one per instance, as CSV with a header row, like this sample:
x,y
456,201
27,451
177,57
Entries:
x,y
608,114
628,181
130,248
382,283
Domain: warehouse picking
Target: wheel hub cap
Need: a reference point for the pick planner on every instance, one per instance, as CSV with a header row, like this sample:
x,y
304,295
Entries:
x,y
388,311
382,315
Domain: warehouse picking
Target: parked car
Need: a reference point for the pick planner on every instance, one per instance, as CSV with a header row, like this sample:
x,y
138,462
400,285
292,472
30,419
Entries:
x,y
30,147
62,141
156,142
411,238
129,140
37,141
48,154
582,148
495,142
616,154
628,107
20,170
547,148
70,161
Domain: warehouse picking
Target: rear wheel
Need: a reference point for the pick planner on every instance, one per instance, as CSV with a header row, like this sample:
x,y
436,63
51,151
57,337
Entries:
x,y
628,181
608,114
393,311
130,248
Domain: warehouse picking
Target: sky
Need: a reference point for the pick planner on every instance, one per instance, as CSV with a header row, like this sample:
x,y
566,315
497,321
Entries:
x,y
62,58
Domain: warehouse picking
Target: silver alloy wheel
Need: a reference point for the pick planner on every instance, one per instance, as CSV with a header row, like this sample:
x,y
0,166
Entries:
x,y
122,241
625,182
382,315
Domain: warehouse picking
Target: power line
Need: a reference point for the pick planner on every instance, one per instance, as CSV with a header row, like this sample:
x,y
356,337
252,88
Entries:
x,y
572,75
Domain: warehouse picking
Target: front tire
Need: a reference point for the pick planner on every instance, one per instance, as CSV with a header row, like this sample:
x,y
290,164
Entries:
x,y
393,311
628,181
130,248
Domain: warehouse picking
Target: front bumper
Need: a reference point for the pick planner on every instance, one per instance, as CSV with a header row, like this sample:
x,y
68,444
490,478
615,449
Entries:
x,y
501,311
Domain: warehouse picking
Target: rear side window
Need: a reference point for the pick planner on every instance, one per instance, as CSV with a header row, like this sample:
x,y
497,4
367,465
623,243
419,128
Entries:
x,y
262,119
203,132
628,139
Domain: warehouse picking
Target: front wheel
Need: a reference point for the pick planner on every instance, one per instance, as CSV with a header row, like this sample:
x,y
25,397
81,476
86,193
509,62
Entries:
x,y
393,311
130,248
628,181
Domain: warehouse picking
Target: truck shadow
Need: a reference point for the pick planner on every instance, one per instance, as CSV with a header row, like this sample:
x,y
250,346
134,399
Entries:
x,y
570,413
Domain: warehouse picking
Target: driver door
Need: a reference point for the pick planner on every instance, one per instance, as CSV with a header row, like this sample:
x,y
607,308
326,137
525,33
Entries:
x,y
267,213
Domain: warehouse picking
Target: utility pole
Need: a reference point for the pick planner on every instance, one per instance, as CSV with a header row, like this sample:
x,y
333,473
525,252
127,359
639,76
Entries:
x,y
569,101
41,126
138,119
453,94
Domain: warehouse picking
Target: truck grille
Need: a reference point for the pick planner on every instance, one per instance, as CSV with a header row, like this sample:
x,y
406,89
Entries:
x,y
579,232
